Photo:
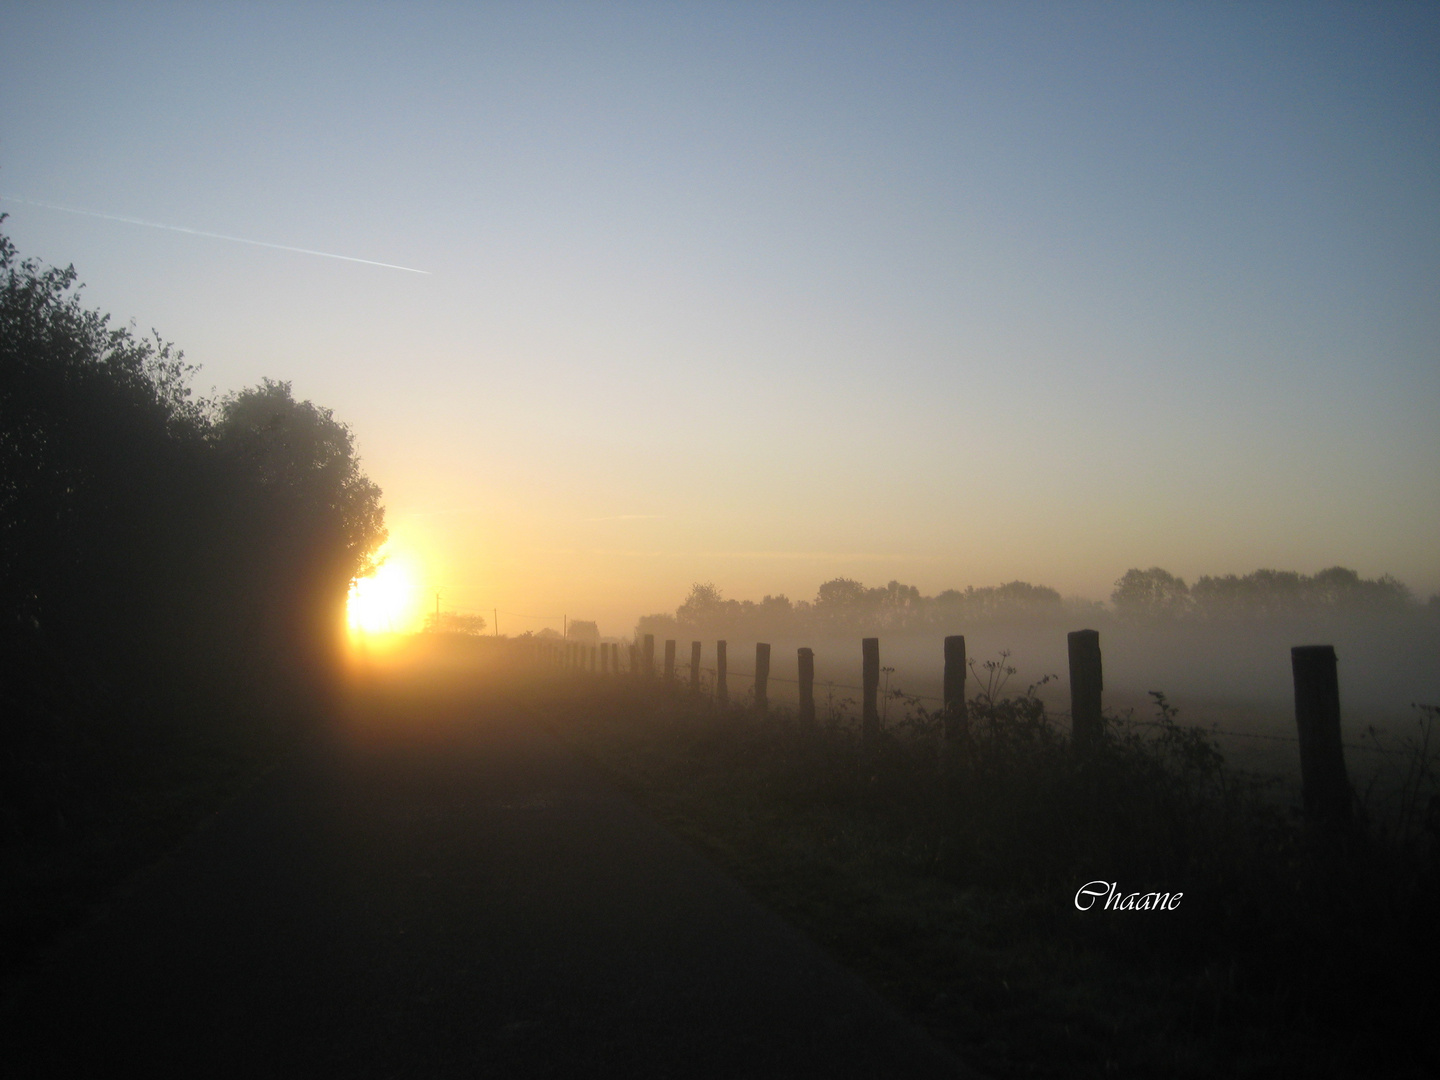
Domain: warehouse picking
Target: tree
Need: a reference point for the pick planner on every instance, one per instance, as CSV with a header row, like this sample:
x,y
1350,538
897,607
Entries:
x,y
1274,593
146,535
1341,589
842,604
1262,593
300,449
101,456
1014,600
165,562
662,625
584,631
703,609
1150,594
454,622
311,518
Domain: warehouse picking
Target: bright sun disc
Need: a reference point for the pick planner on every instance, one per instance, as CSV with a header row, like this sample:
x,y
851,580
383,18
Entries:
x,y
382,603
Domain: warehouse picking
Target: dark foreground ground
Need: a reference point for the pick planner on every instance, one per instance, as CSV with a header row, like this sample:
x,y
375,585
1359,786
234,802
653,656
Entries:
x,y
438,889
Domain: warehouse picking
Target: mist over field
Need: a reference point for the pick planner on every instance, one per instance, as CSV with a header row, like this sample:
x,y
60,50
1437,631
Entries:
x,y
387,392
1219,652
1385,663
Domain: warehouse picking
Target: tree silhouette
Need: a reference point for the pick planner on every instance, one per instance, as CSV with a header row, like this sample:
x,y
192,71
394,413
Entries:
x,y
156,551
1150,594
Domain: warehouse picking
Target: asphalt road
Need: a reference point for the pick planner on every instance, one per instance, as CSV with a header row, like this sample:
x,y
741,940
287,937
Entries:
x,y
461,897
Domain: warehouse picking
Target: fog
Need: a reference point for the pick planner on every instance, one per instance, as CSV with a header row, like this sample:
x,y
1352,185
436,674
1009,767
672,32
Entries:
x,y
1234,678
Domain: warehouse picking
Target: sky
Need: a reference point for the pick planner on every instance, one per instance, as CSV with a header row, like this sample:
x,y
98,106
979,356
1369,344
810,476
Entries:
x,y
765,294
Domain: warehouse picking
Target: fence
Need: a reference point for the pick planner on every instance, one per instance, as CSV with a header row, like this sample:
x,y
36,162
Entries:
x,y
1325,788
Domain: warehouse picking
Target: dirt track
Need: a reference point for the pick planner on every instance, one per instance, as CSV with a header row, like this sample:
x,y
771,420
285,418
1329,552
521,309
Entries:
x,y
462,900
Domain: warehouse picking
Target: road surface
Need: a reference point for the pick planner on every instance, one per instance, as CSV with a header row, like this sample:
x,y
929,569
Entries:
x,y
455,898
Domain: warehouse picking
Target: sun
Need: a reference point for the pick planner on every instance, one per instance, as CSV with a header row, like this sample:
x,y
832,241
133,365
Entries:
x,y
386,601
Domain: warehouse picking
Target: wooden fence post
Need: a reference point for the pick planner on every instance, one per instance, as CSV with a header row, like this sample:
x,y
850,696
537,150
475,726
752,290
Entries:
x,y
762,677
1086,681
807,687
1324,786
722,694
649,657
695,667
957,713
870,683
669,661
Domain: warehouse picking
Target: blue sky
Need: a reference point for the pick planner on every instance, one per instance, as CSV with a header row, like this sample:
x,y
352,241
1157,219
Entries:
x,y
765,294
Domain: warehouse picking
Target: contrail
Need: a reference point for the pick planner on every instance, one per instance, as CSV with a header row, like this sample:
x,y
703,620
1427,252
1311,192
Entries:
x,y
210,235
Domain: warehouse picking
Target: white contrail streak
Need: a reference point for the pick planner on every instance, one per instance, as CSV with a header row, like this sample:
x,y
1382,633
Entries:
x,y
210,235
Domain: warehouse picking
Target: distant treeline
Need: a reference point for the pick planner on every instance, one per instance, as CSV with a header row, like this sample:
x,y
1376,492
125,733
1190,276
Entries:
x,y
844,606
160,555
1264,594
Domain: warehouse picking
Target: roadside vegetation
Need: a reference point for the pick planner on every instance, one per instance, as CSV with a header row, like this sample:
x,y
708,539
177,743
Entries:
x,y
948,876
173,574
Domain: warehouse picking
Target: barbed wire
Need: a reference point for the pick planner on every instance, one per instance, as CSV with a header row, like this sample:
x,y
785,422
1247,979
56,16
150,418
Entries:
x,y
900,694
903,695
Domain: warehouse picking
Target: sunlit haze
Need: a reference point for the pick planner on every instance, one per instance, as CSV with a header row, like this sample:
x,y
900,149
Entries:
x,y
388,601
763,295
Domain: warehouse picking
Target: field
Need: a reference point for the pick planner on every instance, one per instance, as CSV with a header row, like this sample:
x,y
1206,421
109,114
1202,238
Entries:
x,y
950,882
946,875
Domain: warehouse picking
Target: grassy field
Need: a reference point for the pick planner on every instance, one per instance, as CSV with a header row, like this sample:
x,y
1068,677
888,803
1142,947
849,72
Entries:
x,y
948,878
950,881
